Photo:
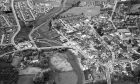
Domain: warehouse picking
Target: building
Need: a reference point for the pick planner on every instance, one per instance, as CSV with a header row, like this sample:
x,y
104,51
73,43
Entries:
x,y
30,4
94,2
24,45
124,34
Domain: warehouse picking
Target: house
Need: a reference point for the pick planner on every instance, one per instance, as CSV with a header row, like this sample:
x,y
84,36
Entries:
x,y
124,34
30,4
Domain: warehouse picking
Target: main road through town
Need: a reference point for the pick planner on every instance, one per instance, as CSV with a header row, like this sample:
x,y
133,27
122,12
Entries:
x,y
17,21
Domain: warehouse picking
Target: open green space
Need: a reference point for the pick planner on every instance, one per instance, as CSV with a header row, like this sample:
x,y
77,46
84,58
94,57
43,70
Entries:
x,y
48,36
66,78
23,33
88,11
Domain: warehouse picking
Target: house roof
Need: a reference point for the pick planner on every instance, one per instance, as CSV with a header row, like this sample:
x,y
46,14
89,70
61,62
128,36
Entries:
x,y
123,30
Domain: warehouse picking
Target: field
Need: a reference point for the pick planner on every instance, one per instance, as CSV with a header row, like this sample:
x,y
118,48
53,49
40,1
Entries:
x,y
88,11
24,32
25,79
66,78
47,36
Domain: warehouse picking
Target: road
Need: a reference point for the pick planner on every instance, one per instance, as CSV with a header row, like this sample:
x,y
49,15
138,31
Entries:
x,y
114,8
17,21
108,48
2,38
42,48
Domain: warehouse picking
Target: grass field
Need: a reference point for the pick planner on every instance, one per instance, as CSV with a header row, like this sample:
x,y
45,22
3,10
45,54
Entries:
x,y
47,35
90,11
46,38
66,78
23,33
